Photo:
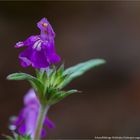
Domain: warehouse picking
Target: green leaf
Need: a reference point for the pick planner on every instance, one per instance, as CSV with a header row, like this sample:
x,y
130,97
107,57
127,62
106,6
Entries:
x,y
20,76
57,97
23,76
80,69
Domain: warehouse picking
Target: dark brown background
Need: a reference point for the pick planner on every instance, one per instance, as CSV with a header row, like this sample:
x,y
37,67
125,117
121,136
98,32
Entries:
x,y
110,102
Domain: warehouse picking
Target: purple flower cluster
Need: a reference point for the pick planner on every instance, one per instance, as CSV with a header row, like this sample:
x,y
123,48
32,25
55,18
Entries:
x,y
40,51
25,123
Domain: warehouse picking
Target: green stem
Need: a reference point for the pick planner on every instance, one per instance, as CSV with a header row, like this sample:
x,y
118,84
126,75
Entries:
x,y
42,114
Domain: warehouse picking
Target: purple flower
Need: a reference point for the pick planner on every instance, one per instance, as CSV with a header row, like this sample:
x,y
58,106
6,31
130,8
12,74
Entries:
x,y
40,51
26,122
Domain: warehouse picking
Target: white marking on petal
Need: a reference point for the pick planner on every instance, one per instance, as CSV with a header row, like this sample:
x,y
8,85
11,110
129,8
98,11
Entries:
x,y
37,45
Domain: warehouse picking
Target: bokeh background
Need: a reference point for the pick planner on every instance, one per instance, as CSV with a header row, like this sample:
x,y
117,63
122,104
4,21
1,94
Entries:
x,y
110,102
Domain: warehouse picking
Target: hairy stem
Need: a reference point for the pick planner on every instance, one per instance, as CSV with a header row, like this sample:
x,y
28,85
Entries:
x,y
42,114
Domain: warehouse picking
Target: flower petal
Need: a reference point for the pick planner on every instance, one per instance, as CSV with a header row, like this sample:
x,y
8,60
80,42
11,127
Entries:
x,y
30,98
31,40
25,57
39,59
19,119
49,123
51,53
19,44
43,133
54,58
46,29
22,129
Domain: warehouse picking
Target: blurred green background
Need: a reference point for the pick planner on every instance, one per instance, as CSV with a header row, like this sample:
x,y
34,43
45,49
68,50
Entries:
x,y
110,102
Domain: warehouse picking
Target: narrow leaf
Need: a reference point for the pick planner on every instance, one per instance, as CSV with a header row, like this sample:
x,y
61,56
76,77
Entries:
x,y
80,69
57,97
23,76
20,76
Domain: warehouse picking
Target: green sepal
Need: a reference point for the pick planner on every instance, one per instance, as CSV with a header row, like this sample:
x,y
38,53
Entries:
x,y
79,69
54,76
26,137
